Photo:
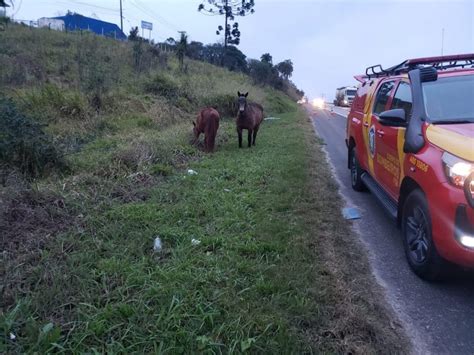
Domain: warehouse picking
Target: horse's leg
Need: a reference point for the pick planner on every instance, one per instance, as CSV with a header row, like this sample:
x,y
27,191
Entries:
x,y
250,137
239,132
196,139
206,142
255,134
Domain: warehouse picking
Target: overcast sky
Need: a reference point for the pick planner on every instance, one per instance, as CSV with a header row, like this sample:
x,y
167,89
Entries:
x,y
329,41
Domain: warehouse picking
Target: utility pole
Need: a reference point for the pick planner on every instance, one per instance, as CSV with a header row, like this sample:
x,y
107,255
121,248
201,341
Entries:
x,y
442,41
121,16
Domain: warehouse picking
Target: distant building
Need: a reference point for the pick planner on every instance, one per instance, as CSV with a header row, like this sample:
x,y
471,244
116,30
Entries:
x,y
51,23
3,8
77,22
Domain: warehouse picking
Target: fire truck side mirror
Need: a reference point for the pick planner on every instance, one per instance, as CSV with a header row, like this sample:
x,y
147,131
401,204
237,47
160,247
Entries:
x,y
393,118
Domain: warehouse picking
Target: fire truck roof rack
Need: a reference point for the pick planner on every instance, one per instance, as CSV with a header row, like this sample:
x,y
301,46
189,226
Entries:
x,y
440,63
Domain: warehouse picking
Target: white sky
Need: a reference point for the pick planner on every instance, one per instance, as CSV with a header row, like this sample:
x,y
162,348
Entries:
x,y
329,41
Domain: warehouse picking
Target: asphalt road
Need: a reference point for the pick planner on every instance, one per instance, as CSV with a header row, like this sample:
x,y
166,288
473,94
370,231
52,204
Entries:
x,y
438,317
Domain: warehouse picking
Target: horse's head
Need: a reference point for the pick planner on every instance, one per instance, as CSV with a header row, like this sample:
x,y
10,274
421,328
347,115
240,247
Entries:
x,y
242,101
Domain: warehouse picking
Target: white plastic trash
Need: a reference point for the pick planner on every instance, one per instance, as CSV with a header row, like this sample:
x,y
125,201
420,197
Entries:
x,y
157,245
271,118
192,172
12,336
195,242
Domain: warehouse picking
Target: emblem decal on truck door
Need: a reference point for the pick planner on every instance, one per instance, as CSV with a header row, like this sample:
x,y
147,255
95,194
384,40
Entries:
x,y
372,141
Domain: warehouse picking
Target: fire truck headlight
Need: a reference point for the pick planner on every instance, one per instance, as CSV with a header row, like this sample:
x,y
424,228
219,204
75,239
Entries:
x,y
467,241
457,170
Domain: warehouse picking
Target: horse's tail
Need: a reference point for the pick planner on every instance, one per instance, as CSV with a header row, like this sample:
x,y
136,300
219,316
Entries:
x,y
211,130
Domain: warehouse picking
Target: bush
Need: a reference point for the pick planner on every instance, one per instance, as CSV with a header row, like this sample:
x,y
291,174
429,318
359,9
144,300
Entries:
x,y
136,155
279,104
224,103
97,68
24,144
163,86
161,169
52,103
260,72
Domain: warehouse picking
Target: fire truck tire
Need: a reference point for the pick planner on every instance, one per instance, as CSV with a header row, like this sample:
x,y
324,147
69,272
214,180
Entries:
x,y
420,249
356,172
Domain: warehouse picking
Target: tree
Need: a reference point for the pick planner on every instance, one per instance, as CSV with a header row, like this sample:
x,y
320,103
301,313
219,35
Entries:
x,y
266,58
285,68
3,3
260,71
171,41
235,60
195,50
213,53
133,36
3,14
229,9
182,48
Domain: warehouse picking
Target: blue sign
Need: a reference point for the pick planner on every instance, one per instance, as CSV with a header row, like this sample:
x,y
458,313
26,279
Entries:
x,y
147,25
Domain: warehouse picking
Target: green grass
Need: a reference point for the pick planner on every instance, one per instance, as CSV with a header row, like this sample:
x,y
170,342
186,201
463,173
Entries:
x,y
277,271
257,281
205,297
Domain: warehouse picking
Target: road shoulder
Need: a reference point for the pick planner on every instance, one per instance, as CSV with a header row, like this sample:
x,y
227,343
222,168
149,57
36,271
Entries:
x,y
361,320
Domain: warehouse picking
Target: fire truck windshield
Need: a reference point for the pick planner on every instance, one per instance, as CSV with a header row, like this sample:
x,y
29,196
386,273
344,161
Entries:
x,y
450,99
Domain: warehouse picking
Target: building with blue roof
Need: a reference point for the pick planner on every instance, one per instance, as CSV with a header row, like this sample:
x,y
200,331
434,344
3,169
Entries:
x,y
77,22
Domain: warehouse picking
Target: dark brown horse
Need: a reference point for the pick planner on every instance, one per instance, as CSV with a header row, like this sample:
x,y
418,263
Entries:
x,y
208,123
250,117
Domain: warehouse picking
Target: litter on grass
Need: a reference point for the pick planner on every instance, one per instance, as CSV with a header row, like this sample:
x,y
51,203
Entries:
x,y
157,245
271,118
195,241
226,190
351,213
192,172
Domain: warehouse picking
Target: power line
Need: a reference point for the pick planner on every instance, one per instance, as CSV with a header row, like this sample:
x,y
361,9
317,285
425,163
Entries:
x,y
19,7
158,16
147,11
92,5
88,5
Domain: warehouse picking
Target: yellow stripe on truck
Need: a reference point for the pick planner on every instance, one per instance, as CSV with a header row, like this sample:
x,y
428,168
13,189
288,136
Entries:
x,y
401,153
452,142
365,130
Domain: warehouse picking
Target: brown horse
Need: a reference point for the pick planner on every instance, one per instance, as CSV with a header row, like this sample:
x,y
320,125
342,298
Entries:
x,y
250,117
208,123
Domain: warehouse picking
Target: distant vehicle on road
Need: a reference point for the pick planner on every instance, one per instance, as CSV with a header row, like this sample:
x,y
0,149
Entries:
x,y
345,96
410,140
303,100
319,103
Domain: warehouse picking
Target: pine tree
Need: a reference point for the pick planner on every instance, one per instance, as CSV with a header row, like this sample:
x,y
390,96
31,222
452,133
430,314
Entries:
x,y
230,9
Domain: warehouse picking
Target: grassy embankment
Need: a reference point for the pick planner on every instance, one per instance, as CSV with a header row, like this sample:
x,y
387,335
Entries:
x,y
277,269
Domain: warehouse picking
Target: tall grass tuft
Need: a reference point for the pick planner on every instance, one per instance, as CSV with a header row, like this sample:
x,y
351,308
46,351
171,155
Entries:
x,y
24,144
